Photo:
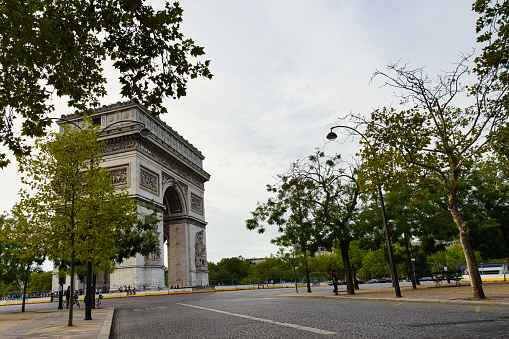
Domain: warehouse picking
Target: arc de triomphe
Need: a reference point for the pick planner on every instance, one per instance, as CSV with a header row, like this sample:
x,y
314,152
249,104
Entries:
x,y
162,171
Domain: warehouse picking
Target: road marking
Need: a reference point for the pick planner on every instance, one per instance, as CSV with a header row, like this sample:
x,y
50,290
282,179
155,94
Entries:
x,y
299,327
148,308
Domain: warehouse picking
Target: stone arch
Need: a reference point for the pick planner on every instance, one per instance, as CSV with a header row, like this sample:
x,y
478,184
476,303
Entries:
x,y
161,171
174,200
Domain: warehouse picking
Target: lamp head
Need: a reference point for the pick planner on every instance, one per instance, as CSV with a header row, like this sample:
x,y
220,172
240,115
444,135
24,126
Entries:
x,y
332,136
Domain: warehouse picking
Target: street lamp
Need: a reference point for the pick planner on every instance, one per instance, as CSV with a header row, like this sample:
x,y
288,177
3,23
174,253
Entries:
x,y
332,136
144,132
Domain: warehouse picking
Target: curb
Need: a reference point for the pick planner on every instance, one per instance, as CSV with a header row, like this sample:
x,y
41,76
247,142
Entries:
x,y
106,328
393,299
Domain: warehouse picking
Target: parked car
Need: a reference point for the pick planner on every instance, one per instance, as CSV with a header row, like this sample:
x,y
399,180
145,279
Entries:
x,y
426,279
372,281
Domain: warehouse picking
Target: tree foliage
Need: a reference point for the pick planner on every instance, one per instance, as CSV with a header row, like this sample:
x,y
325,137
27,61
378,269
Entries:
x,y
59,48
493,29
486,208
314,206
16,265
433,140
231,270
493,33
70,211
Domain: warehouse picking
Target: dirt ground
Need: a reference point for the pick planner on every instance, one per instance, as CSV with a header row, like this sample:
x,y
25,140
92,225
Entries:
x,y
10,319
498,288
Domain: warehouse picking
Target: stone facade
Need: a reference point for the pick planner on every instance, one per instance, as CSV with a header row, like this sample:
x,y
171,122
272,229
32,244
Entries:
x,y
164,174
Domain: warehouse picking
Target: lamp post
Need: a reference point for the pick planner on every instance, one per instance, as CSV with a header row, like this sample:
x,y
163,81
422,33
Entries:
x,y
144,132
416,282
394,276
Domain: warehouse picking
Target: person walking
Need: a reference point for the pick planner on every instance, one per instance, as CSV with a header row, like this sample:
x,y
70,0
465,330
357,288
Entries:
x,y
334,283
67,296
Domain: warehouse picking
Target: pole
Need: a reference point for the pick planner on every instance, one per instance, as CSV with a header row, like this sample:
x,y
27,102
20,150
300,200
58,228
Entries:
x,y
392,266
88,295
332,136
60,295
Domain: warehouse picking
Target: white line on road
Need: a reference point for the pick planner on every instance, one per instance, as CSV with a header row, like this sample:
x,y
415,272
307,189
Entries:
x,y
299,327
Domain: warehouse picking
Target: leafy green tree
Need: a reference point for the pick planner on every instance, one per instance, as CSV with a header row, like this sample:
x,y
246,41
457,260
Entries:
x,y
315,205
290,211
493,32
16,265
419,211
486,208
493,29
273,268
323,265
230,269
70,210
333,194
433,140
59,48
374,265
40,281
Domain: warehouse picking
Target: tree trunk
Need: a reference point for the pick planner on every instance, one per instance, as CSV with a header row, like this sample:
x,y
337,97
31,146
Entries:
x,y
88,292
410,270
25,283
473,270
71,294
350,289
307,279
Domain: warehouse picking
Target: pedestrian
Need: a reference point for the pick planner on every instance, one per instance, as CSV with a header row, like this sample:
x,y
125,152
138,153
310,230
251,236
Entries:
x,y
334,283
67,296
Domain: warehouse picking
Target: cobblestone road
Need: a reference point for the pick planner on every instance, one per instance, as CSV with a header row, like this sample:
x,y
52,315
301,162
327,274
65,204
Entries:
x,y
262,314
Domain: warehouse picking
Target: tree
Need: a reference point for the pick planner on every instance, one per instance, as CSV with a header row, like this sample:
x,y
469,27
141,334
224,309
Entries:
x,y
40,281
315,205
232,269
433,140
374,265
493,29
290,211
70,210
486,210
16,266
58,48
333,194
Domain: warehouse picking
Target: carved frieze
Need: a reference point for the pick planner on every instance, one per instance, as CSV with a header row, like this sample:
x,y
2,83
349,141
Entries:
x,y
200,251
167,160
119,176
196,204
173,164
149,181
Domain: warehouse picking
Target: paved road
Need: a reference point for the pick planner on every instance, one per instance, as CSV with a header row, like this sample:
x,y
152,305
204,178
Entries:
x,y
262,314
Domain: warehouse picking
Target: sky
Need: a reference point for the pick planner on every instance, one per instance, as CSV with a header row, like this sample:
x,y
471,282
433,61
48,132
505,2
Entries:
x,y
285,71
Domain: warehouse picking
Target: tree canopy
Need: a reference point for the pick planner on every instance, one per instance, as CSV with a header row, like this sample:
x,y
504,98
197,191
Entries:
x,y
70,210
59,49
314,205
16,265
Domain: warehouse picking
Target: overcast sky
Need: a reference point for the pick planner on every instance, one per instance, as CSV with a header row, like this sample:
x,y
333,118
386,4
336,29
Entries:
x,y
284,72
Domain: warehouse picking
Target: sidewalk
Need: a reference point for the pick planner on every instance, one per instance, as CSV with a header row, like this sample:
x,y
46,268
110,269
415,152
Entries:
x,y
53,324
496,293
